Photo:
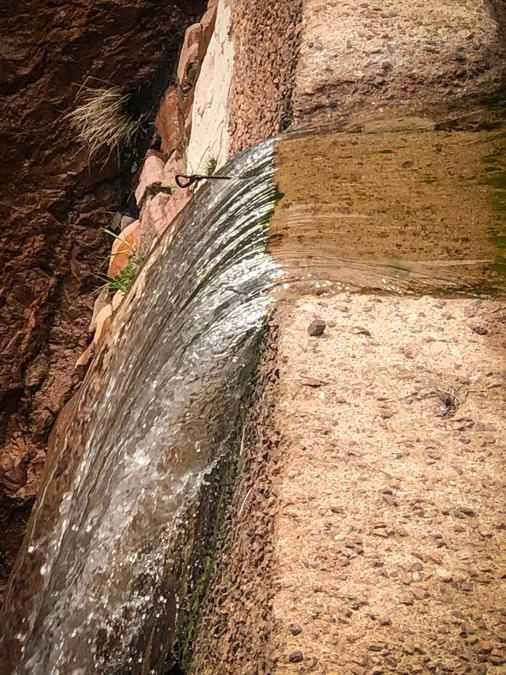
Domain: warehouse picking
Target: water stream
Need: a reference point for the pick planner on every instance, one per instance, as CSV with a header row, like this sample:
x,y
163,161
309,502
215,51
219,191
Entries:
x,y
160,409
166,410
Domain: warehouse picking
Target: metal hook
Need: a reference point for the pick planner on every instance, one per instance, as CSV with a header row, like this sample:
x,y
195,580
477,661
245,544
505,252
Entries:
x,y
186,181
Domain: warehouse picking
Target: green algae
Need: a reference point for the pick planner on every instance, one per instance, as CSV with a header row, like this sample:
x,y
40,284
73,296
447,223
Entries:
x,y
227,472
494,177
498,180
496,98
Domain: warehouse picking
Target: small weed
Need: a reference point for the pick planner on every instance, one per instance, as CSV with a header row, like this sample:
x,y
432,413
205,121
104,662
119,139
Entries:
x,y
113,234
124,280
210,165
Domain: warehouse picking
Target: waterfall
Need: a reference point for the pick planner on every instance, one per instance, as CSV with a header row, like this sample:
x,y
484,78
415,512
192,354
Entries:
x,y
138,452
96,588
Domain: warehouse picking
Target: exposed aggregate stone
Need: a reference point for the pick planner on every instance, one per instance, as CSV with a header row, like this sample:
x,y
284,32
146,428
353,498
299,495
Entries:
x,y
368,527
266,43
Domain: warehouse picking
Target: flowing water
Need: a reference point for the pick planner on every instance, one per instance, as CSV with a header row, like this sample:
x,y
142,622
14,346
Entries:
x,y
404,213
166,411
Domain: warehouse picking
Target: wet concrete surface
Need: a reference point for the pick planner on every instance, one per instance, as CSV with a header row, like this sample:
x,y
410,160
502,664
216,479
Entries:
x,y
402,211
367,524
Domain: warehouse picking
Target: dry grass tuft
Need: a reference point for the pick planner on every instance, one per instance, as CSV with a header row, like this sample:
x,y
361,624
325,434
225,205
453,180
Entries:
x,y
101,120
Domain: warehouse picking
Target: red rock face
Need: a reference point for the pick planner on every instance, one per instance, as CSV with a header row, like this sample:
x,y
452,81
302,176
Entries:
x,y
54,204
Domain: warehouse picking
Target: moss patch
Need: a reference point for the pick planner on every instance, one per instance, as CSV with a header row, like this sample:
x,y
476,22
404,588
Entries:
x,y
226,481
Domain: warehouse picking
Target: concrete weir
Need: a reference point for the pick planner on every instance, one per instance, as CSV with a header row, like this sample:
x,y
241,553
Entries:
x,y
366,533
369,535
366,529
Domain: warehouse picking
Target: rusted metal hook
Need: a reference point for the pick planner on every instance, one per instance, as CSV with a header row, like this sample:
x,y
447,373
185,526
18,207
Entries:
x,y
186,181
